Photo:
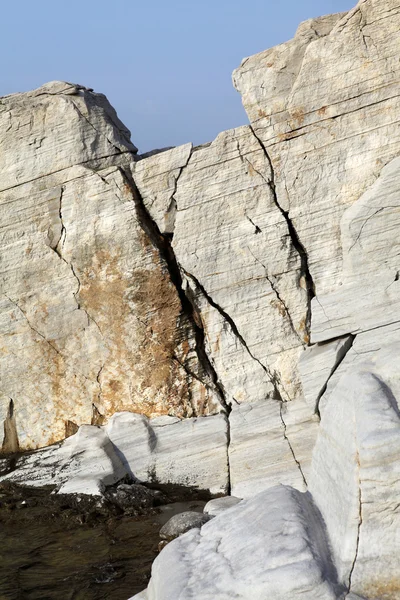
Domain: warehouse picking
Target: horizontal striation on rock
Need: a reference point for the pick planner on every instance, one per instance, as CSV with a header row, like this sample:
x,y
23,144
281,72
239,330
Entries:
x,y
91,321
325,106
193,280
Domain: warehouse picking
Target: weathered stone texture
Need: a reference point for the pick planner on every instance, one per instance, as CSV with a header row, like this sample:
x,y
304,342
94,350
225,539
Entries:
x,y
325,106
91,321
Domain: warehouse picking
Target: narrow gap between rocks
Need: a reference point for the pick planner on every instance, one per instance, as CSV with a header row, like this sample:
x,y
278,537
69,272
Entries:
x,y
164,247
346,349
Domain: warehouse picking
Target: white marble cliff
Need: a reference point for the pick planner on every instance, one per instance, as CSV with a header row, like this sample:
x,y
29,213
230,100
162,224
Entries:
x,y
225,317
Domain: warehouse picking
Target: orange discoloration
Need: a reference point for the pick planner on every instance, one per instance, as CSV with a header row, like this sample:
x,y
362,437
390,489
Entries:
x,y
279,306
138,313
298,115
384,590
70,428
250,169
303,330
284,137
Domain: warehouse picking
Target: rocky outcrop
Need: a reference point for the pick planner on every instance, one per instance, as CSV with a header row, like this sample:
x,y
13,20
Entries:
x,y
280,527
338,540
223,316
92,321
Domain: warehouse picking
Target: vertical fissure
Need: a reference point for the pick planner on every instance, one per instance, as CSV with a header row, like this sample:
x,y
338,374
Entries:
x,y
188,308
360,520
296,242
289,443
173,207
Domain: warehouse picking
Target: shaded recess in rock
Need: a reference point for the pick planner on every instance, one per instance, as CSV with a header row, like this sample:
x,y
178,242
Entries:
x,y
163,245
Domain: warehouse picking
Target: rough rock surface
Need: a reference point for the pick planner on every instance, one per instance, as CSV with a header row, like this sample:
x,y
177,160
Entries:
x,y
256,276
91,321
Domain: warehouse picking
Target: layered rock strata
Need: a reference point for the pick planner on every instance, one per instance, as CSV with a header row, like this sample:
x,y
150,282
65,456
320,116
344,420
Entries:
x,y
91,318
223,316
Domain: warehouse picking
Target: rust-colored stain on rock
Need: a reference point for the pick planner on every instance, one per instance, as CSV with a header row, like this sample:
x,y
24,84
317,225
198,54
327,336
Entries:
x,y
138,313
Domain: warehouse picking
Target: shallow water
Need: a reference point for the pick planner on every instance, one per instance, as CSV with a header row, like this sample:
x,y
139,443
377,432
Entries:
x,y
55,552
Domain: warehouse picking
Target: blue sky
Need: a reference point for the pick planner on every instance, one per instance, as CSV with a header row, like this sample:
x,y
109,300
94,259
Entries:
x,y
165,65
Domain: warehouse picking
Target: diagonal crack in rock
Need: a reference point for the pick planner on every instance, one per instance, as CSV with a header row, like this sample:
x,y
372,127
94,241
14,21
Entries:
x,y
289,444
272,376
163,244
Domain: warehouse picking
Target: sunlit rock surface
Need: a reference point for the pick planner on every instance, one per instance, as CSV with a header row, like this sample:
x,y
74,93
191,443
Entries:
x,y
191,453
270,546
223,316
91,321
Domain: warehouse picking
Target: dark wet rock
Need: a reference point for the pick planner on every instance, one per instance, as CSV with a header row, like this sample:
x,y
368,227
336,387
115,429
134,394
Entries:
x,y
179,524
134,497
62,546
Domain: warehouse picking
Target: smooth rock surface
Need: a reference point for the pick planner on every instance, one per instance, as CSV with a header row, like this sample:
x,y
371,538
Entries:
x,y
85,463
260,456
280,527
317,364
190,453
355,477
368,295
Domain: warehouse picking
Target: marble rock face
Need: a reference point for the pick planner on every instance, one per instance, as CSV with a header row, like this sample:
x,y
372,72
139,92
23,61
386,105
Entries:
x,y
338,540
189,452
355,474
90,319
200,309
85,463
165,450
325,107
270,546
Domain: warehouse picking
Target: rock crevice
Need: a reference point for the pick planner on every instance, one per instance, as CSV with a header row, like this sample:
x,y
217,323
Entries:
x,y
297,244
